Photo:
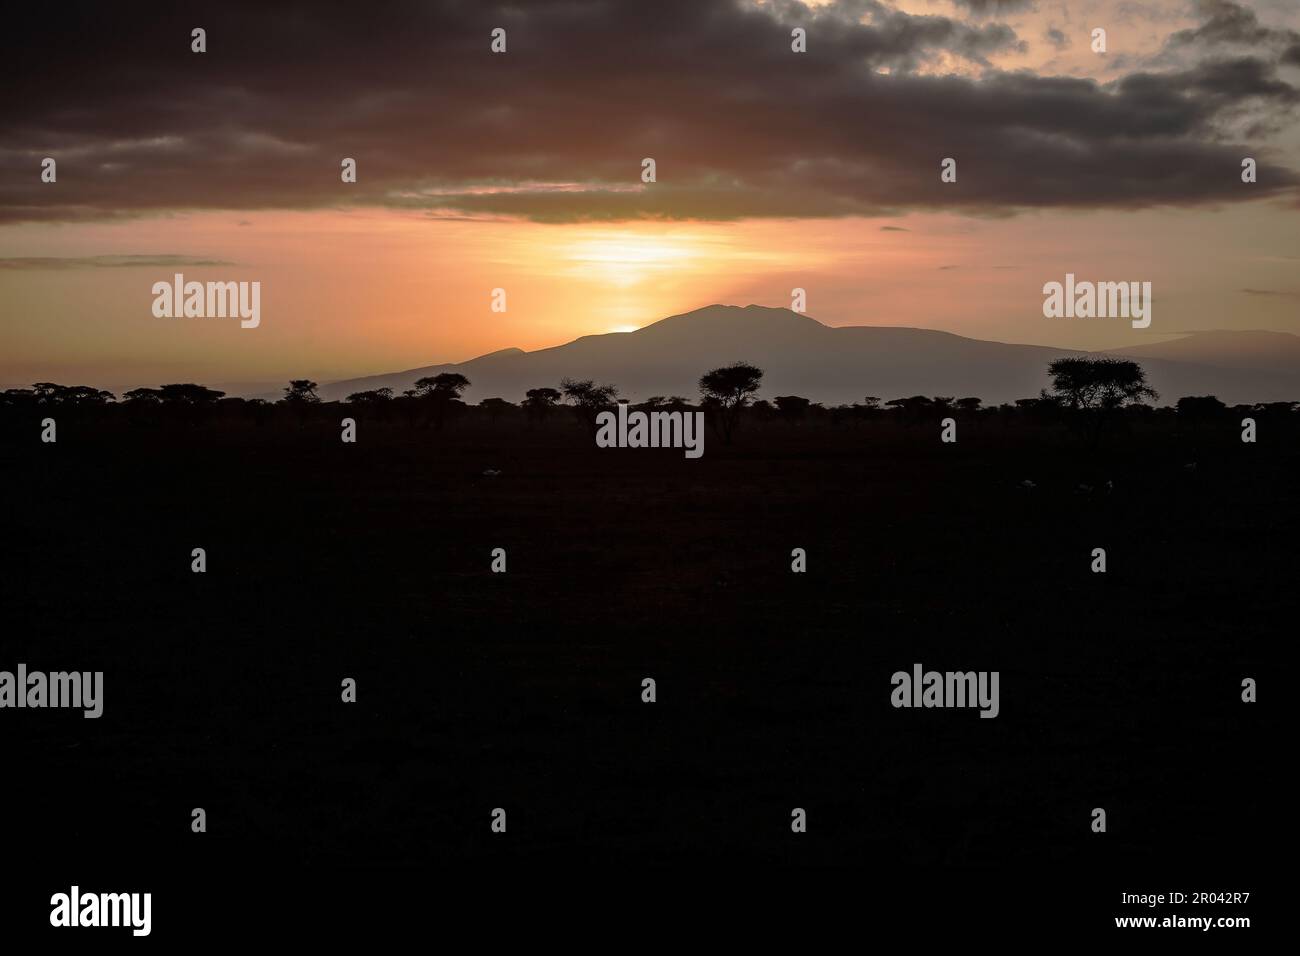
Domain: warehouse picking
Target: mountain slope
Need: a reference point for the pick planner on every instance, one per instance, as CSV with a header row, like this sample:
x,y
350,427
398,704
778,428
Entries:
x,y
1272,352
801,356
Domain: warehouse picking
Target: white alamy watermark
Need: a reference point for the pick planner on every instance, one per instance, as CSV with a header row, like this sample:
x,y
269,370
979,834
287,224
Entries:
x,y
71,689
75,908
651,430
208,300
1086,300
946,689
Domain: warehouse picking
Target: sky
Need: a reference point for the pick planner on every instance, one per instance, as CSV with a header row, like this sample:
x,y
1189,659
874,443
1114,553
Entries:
x,y
522,171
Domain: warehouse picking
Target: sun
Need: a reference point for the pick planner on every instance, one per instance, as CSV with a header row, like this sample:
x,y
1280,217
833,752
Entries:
x,y
622,259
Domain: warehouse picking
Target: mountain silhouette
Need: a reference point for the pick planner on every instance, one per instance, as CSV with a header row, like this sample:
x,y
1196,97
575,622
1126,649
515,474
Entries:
x,y
1256,351
835,365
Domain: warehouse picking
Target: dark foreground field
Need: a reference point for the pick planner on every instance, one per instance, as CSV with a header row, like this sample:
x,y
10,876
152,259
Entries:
x,y
522,690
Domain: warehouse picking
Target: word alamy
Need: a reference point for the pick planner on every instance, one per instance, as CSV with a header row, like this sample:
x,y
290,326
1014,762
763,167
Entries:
x,y
651,430
213,300
948,689
58,689
1086,300
103,909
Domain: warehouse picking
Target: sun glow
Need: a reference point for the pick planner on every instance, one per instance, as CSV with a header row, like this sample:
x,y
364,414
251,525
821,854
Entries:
x,y
625,259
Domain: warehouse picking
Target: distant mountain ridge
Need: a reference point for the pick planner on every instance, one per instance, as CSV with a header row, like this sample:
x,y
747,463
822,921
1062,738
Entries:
x,y
836,365
1255,350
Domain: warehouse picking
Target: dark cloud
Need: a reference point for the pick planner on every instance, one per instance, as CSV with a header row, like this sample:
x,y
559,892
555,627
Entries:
x,y
893,229
556,128
1227,23
1057,38
901,41
990,8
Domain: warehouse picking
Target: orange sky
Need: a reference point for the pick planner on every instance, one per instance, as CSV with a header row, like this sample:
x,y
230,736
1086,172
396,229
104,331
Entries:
x,y
375,288
350,293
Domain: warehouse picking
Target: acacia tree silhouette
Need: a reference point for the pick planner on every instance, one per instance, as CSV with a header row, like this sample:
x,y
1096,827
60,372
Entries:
x,y
190,394
913,410
181,401
443,386
1098,383
792,408
727,390
143,396
539,402
49,393
377,402
1096,387
370,396
1199,408
495,407
588,398
301,391
439,393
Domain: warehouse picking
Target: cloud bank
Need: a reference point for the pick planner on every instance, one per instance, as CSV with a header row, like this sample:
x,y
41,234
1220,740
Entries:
x,y
555,129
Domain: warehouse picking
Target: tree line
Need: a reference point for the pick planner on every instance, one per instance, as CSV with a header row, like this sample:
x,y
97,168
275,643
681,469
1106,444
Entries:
x,y
1095,389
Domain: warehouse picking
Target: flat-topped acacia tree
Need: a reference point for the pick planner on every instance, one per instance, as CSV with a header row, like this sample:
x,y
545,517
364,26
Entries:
x,y
1096,387
539,402
1099,383
588,398
439,394
301,391
727,390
